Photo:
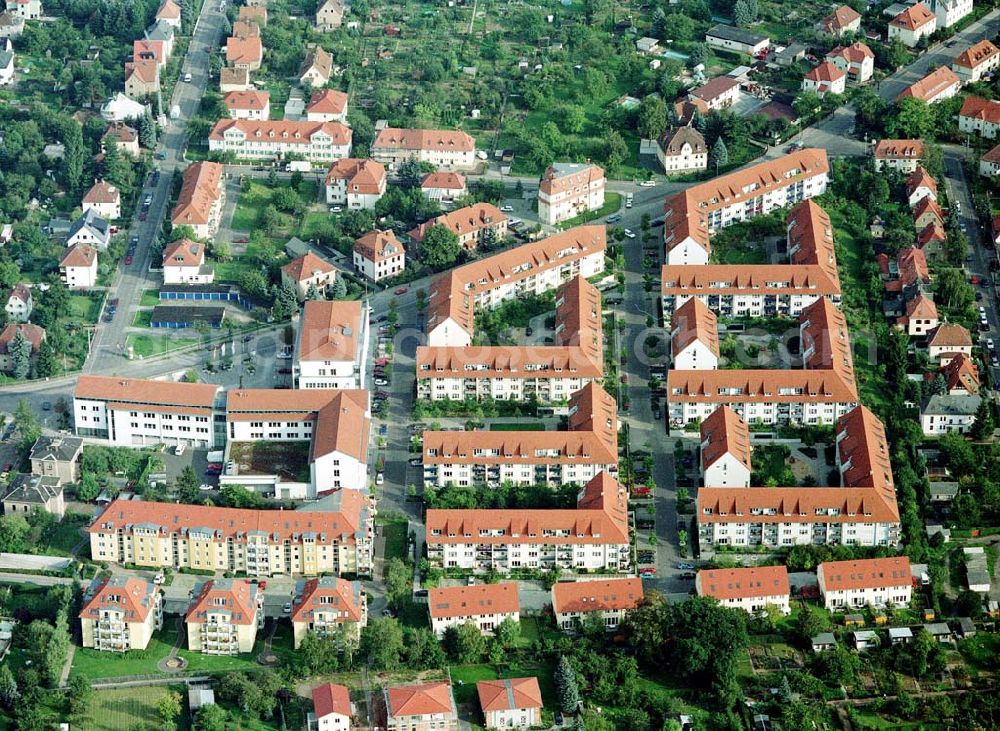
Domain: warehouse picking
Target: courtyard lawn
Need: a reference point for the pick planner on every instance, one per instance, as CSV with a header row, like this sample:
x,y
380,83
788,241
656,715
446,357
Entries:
x,y
311,221
151,297
232,270
287,459
256,195
395,539
95,665
146,346
83,308
612,203
124,709
65,535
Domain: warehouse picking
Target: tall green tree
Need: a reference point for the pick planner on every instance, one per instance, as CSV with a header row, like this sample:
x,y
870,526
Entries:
x,y
985,421
652,120
464,643
382,643
440,248
720,153
566,686
75,156
20,355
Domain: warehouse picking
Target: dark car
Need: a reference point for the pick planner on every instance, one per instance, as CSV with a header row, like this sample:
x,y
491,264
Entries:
x,y
688,575
46,406
143,214
213,470
128,259
161,155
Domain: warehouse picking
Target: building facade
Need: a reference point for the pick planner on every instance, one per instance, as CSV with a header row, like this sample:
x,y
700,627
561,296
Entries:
x,y
750,589
484,605
331,345
875,582
120,613
276,139
443,148
224,617
609,599
569,189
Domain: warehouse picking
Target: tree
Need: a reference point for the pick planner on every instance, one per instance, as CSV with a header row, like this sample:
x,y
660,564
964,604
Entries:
x,y
423,649
382,643
286,301
257,695
806,103
80,694
571,118
75,156
46,363
147,131
168,707
652,120
720,153
317,655
212,718
10,273
410,173
464,643
8,687
439,248
285,199
187,485
615,150
14,531
914,118
742,13
254,285
398,582
507,633
697,55
339,288
566,686
20,354
985,421
238,496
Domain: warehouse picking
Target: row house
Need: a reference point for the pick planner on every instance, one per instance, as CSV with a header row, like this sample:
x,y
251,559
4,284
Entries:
x,y
588,447
693,214
131,412
329,607
224,616
78,267
875,582
611,600
276,139
856,60
979,116
485,605
694,337
901,155
593,537
751,589
548,373
379,255
979,59
331,345
912,24
682,150
762,290
725,450
355,183
120,613
442,148
202,197
919,185
861,511
469,224
248,104
533,268
568,190
335,423
940,84
259,543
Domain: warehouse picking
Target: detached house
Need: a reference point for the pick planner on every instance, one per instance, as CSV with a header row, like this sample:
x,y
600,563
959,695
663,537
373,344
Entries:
x,y
120,614
11,25
248,104
316,68
330,15
26,9
844,19
901,155
355,183
34,334
224,617
875,582
979,115
912,24
169,12
989,162
142,78
510,702
328,606
948,341
184,263
91,229
856,60
949,12
6,66
920,185
938,85
827,78
104,199
327,105
420,707
308,271
28,493
718,93
443,187
378,254
975,61
331,709
57,457
682,150
244,53
19,303
234,79
78,267
124,137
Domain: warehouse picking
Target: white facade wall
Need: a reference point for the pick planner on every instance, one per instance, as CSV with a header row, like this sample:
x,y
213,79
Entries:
x,y
133,428
319,148
778,535
513,718
687,160
568,621
80,277
903,165
949,12
446,159
911,38
551,388
755,604
439,475
937,424
748,305
337,469
858,598
333,722
774,412
486,623
388,267
569,203
173,274
507,556
695,357
727,471
982,127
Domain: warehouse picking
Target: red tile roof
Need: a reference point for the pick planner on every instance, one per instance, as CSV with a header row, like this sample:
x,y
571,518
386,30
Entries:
x,y
947,335
285,131
79,255
132,596
184,253
899,150
200,189
694,321
856,53
247,50
330,330
509,694
840,19
102,192
379,245
364,177
327,101
873,573
914,17
237,597
976,54
473,601
722,433
714,88
444,181
863,453
329,594
306,267
331,698
932,85
743,583
148,393
394,138
555,182
985,110
463,220
825,72
961,372
596,596
250,100
920,178
419,700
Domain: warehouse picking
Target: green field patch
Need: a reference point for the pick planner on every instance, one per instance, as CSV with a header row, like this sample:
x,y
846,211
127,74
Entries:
x,y
150,298
125,709
145,346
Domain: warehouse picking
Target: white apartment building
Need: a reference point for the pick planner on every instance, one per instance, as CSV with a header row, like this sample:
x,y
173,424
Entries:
x,y
120,613
750,589
912,24
331,345
331,708
309,272
469,224
725,450
611,599
569,189
979,116
275,139
942,413
856,60
379,255
485,605
949,12
259,543
975,61
682,150
694,337
593,537
875,582
224,617
329,606
901,155
510,702
442,148
248,104
132,412
200,202
78,267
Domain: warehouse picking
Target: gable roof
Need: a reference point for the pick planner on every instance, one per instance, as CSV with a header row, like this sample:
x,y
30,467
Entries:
x,y
743,583
183,253
317,59
251,100
102,192
722,433
201,187
444,180
596,596
378,245
244,50
330,330
932,85
714,88
363,177
169,10
914,17
672,141
948,335
857,52
920,178
961,372
869,573
463,220
825,71
976,54
331,698
840,19
34,334
509,694
131,595
899,150
476,600
395,138
986,110
327,101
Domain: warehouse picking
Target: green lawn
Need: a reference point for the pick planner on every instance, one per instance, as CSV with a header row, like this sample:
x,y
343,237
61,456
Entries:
x,y
982,651
470,674
231,271
150,298
83,308
518,426
93,664
124,709
66,535
612,202
395,540
257,194
145,346
143,318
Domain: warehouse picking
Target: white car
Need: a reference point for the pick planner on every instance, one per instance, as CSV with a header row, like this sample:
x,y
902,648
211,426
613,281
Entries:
x,y
158,579
381,382
335,209
284,355
989,343
204,486
287,609
507,209
628,203
379,478
179,450
647,184
629,233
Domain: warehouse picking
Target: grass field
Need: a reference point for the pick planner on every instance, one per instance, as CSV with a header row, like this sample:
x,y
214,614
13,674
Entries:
x,y
395,539
150,298
143,318
470,674
257,195
124,709
146,346
83,308
65,535
93,664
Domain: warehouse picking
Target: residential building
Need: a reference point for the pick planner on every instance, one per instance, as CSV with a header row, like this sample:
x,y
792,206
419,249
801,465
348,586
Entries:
x,y
316,68
335,423
588,447
725,450
419,707
691,215
120,613
202,197
142,78
469,224
961,376
682,150
34,334
133,412
979,115
234,79
29,493
169,12
942,413
147,50
11,25
919,185
184,263
568,190
26,9
750,589
920,316
104,199
308,272
327,105
224,616
19,303
758,290
91,229
125,138
931,237
856,60
948,340
949,12
245,29
248,104
694,337
728,38
259,543
926,212
593,537
901,155
57,457
331,345
875,582
357,184
912,24
329,606
331,709
844,19
162,32
256,14
78,267
533,268
826,78
449,149
120,108
975,61
330,15
379,255
244,53
718,93
273,140
609,599
938,85
510,702
485,605
6,67
443,187
861,511
989,162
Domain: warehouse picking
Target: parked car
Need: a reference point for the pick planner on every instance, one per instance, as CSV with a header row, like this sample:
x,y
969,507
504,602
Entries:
x,y
287,609
507,208
379,478
204,486
629,233
401,290
148,200
381,382
647,184
128,260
